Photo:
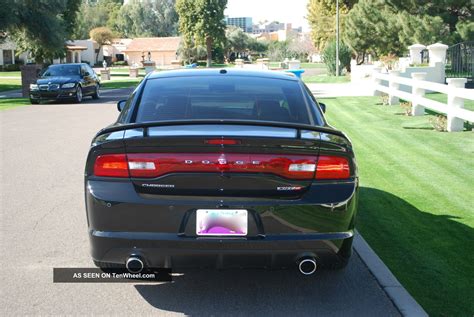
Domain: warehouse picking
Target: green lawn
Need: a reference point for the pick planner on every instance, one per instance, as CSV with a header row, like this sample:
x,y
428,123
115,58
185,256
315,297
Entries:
x,y
325,79
113,84
468,104
10,74
416,200
312,65
9,84
9,103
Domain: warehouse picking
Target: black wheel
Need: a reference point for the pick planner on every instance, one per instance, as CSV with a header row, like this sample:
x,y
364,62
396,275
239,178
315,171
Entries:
x,y
78,95
96,94
34,101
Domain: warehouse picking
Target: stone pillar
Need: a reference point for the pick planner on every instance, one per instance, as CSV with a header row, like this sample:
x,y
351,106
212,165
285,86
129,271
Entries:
x,y
415,53
392,99
418,92
29,74
437,53
455,124
133,72
239,63
104,74
294,64
376,81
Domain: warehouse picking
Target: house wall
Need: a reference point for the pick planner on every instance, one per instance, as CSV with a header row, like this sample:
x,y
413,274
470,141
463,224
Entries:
x,y
88,55
160,58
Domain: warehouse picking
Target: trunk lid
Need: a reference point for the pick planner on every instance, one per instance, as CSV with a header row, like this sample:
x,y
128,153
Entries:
x,y
221,160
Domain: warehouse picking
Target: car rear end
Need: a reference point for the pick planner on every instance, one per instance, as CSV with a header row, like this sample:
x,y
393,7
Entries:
x,y
196,191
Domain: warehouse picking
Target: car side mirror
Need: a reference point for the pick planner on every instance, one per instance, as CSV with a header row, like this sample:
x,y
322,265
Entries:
x,y
86,74
322,106
121,105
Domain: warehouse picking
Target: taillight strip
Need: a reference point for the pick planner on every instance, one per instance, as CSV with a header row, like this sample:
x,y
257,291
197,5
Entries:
x,y
151,165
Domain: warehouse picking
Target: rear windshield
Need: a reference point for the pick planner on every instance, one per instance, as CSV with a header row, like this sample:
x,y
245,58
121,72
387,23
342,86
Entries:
x,y
62,70
223,97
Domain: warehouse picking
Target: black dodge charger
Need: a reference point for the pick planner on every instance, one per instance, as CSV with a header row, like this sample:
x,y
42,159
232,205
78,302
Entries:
x,y
221,168
65,82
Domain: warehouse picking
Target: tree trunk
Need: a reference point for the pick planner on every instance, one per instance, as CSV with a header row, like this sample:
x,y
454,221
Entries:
x,y
97,54
209,50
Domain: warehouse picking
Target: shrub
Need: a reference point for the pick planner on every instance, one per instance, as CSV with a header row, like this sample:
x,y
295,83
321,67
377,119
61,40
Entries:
x,y
10,67
439,123
389,61
384,99
120,63
329,57
406,106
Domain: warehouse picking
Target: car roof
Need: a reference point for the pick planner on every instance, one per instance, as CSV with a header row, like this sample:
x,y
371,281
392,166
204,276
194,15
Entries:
x,y
222,71
69,64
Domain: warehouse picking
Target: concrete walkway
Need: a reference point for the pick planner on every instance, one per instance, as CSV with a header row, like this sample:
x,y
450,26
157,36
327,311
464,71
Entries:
x,y
10,94
363,88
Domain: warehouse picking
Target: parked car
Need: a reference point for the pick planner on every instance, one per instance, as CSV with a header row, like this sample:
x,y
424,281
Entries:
x,y
222,168
65,82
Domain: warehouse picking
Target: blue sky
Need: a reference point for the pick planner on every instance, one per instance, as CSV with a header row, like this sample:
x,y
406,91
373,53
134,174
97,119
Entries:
x,y
288,11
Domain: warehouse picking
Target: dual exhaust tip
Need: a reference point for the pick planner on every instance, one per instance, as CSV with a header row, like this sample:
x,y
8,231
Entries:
x,y
306,265
134,264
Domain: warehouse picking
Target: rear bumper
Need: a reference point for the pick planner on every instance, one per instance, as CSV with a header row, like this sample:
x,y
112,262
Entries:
x,y
162,229
170,250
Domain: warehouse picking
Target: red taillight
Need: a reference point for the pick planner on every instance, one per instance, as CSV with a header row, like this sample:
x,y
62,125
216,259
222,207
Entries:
x,y
288,166
332,167
150,165
111,165
222,141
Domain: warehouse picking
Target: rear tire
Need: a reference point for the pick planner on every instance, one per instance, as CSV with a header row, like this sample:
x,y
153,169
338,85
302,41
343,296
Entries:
x,y
96,94
34,101
78,95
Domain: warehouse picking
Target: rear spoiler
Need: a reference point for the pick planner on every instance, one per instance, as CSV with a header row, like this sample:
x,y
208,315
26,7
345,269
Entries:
x,y
146,125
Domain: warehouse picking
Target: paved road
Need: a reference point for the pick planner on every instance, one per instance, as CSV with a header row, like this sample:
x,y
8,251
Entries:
x,y
43,225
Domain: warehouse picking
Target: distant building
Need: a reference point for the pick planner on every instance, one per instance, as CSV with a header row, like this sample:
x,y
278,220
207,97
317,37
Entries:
x,y
245,23
280,34
267,27
163,50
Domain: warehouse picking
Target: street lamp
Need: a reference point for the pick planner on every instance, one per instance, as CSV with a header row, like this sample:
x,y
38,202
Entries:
x,y
337,38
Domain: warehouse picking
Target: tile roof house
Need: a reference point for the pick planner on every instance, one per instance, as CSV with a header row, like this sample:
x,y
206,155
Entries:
x,y
162,50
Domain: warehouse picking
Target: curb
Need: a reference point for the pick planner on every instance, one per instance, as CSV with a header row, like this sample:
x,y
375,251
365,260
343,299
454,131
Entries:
x,y
400,297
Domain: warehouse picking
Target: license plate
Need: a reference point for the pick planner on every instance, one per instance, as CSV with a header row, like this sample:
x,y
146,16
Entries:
x,y
221,222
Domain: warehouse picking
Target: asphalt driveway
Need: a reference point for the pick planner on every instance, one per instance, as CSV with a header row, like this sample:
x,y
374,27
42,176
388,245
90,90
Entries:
x,y
43,225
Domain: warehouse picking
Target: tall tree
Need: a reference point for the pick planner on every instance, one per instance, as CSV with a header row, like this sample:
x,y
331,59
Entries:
x,y
322,19
451,12
40,27
93,14
103,36
203,22
372,27
145,19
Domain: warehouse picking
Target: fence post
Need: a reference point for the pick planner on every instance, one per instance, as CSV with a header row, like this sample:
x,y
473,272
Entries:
x,y
454,102
375,71
418,92
392,99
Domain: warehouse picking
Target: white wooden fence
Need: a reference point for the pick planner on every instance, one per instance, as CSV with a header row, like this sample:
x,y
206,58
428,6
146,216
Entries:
x,y
455,91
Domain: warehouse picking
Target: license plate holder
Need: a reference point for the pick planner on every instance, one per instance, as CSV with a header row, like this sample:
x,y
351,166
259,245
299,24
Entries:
x,y
221,222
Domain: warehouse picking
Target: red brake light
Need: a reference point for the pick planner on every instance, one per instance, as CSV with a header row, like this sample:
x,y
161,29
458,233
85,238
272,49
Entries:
x,y
223,141
332,167
150,165
288,166
111,165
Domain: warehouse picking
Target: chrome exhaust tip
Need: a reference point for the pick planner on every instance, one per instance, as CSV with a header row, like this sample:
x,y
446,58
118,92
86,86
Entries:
x,y
307,265
134,264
